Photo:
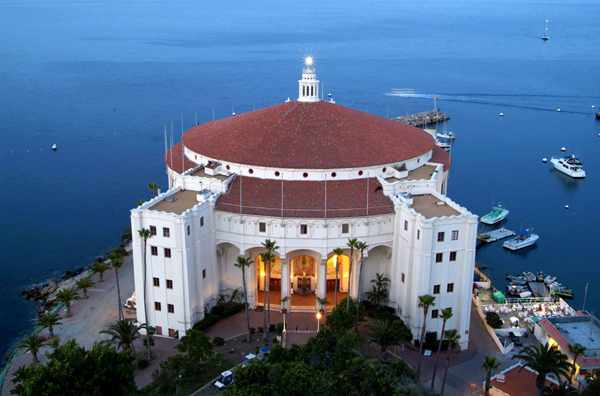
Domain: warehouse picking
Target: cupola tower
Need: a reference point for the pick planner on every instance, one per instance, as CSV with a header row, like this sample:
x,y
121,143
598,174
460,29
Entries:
x,y
309,85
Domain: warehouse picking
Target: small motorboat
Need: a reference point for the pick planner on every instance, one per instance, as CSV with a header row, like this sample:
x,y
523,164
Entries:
x,y
541,276
549,279
443,145
569,165
598,115
497,214
446,135
564,293
518,283
524,240
525,294
514,278
529,276
54,147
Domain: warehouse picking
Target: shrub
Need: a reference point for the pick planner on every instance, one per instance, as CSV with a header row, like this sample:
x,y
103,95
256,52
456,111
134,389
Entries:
x,y
280,327
218,341
272,327
430,337
252,330
493,319
260,330
142,363
232,310
209,320
218,310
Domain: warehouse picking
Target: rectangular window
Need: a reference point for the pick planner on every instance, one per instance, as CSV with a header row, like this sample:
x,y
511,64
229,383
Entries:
x,y
303,229
262,227
440,237
169,284
152,230
167,253
171,308
345,228
203,273
188,230
434,314
156,282
452,256
202,221
439,257
171,332
405,225
418,234
403,277
455,235
166,232
436,289
450,288
158,330
154,250
157,306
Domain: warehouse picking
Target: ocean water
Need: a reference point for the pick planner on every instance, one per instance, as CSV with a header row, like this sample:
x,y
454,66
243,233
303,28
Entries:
x,y
102,79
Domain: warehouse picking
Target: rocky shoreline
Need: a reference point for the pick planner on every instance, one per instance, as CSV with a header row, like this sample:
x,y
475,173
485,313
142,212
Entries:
x,y
423,119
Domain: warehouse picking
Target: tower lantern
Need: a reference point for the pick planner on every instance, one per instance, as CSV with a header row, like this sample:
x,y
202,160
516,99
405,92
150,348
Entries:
x,y
309,85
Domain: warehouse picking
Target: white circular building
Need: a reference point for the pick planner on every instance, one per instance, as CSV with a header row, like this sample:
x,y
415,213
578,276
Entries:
x,y
309,174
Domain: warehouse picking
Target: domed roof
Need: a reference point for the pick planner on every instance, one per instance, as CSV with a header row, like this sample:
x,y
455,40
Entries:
x,y
318,135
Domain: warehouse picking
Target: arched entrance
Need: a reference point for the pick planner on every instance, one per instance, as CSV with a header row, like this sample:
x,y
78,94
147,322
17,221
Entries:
x,y
272,281
303,277
342,265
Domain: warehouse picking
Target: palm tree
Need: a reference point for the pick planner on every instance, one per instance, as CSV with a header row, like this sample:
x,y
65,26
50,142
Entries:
x,y
446,314
154,187
352,244
49,320
67,296
125,333
145,234
384,333
140,202
19,376
452,337
265,257
323,304
338,252
116,261
362,246
126,236
380,294
425,302
84,284
100,268
561,390
576,350
545,360
243,263
488,365
271,246
32,343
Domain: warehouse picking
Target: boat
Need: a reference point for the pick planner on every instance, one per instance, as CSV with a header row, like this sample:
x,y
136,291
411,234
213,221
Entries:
x,y
569,166
598,115
518,283
545,36
524,239
54,147
497,214
529,276
525,294
564,293
515,278
541,276
443,145
549,279
446,135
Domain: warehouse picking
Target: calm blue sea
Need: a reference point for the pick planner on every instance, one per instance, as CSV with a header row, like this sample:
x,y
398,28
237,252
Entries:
x,y
100,79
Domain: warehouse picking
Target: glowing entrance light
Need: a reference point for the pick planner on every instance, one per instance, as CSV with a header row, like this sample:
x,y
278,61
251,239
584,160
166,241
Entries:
x,y
262,273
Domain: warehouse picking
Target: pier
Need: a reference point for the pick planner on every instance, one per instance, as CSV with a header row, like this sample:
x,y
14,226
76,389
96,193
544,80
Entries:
x,y
494,235
423,119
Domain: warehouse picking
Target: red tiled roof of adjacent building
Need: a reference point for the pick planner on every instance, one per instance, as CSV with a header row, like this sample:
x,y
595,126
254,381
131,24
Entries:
x,y
176,154
518,382
441,156
318,135
345,198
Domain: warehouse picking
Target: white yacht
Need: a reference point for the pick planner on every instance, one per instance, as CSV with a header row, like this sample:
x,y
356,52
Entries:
x,y
524,239
569,165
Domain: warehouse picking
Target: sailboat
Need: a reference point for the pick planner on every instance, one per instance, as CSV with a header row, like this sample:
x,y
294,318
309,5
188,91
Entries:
x,y
545,36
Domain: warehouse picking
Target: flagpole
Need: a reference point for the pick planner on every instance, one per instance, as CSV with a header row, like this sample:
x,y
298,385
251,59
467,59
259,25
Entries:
x,y
585,296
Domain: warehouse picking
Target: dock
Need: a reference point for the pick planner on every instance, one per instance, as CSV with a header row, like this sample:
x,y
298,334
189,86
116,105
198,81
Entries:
x,y
495,235
538,289
422,119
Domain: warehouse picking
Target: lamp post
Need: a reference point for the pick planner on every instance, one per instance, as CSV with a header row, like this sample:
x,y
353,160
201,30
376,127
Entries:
x,y
318,321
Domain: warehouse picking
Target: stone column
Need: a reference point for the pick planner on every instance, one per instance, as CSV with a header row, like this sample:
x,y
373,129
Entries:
x,y
322,279
355,279
285,281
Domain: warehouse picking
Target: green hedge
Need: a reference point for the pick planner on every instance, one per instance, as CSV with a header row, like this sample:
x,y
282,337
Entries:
x,y
208,321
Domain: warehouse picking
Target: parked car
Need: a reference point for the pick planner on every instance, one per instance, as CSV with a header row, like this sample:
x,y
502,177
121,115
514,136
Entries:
x,y
224,380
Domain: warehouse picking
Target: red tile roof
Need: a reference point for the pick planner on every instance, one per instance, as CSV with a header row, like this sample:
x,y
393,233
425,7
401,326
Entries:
x,y
345,198
176,153
518,382
441,156
317,135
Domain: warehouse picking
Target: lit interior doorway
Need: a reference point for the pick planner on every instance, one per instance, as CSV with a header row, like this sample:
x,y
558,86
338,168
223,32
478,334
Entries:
x,y
342,282
303,276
